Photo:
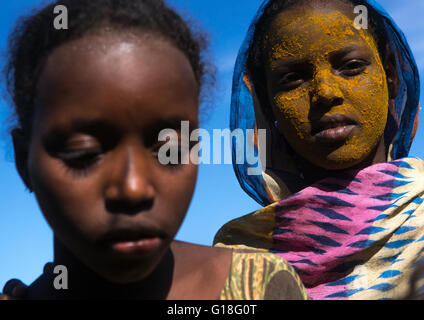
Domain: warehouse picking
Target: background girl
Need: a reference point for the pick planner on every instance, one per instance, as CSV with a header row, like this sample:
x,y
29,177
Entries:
x,y
342,203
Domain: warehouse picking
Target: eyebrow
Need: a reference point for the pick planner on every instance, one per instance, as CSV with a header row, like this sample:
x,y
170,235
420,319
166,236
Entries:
x,y
152,131
104,128
290,62
156,127
84,125
88,125
344,51
286,62
172,123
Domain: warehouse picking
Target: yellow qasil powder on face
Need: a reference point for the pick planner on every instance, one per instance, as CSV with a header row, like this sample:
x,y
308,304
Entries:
x,y
312,37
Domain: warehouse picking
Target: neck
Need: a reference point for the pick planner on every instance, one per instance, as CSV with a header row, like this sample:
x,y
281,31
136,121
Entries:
x,y
313,173
83,283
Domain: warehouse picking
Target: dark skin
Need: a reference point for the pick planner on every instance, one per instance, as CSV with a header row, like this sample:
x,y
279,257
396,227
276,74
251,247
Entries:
x,y
336,72
92,164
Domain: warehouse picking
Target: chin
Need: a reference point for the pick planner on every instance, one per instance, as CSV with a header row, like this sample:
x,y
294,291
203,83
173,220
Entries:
x,y
335,166
123,271
338,162
125,275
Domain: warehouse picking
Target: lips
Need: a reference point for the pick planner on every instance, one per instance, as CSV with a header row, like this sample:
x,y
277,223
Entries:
x,y
333,128
132,240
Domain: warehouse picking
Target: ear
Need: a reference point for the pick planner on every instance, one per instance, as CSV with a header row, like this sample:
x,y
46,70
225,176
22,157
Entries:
x,y
391,74
20,147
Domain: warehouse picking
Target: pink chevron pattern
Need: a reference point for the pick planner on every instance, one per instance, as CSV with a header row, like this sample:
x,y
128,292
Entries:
x,y
319,229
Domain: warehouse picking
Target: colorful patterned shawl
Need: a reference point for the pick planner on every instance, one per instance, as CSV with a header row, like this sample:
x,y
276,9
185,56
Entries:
x,y
356,235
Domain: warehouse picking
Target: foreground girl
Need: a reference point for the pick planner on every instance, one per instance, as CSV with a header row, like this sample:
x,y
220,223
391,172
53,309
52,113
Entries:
x,y
90,102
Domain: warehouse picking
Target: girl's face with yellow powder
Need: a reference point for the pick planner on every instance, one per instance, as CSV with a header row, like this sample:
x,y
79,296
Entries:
x,y
326,85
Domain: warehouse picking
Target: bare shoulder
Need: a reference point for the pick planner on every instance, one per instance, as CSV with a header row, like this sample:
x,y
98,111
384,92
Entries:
x,y
200,271
210,252
234,274
209,259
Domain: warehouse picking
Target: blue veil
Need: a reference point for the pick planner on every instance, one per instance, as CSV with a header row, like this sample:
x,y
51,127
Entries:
x,y
279,171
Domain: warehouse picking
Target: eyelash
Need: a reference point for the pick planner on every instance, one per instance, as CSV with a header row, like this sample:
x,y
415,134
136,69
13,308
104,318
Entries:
x,y
80,160
289,84
294,79
353,71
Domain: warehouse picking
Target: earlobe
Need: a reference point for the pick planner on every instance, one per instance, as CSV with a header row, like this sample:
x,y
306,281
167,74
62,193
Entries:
x,y
391,74
20,147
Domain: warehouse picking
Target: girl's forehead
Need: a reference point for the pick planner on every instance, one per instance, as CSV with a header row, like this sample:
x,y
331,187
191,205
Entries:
x,y
117,79
299,32
312,17
122,62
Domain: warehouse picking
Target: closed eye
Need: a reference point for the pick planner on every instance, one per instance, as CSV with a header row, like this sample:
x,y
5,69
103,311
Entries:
x,y
80,159
290,81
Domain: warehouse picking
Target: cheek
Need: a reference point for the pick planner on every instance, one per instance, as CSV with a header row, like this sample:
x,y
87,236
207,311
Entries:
x,y
291,109
174,193
67,209
369,95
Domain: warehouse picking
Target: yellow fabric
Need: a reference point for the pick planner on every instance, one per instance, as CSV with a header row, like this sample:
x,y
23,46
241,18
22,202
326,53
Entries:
x,y
251,274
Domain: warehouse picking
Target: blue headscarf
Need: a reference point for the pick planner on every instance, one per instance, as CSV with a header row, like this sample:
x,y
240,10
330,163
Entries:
x,y
279,171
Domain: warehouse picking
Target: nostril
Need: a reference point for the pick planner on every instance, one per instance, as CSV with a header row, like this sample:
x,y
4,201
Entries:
x,y
325,102
121,206
337,101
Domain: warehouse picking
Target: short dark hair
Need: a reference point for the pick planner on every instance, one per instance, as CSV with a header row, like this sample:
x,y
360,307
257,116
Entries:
x,y
35,37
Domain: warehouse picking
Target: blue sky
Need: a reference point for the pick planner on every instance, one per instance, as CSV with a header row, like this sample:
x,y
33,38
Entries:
x,y
26,239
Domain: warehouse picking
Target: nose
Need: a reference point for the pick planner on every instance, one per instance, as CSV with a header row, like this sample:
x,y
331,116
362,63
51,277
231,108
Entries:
x,y
326,92
130,189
